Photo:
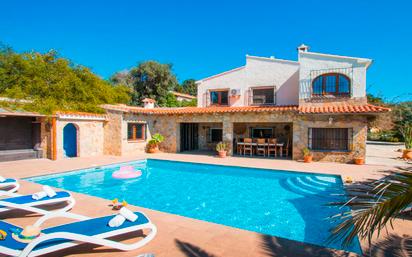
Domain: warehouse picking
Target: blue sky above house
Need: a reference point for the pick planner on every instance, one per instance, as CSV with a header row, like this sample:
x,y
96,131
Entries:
x,y
202,38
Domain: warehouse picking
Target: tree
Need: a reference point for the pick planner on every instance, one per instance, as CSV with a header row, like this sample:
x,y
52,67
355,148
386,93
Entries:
x,y
375,99
54,83
189,87
122,78
153,80
375,204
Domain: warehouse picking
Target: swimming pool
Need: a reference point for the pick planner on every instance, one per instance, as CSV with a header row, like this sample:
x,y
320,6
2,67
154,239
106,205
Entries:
x,y
291,205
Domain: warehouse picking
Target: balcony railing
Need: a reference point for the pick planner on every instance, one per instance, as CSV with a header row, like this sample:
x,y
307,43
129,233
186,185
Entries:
x,y
324,94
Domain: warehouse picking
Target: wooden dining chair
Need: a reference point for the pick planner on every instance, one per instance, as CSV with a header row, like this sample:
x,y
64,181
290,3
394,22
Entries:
x,y
286,148
261,146
239,147
247,146
272,148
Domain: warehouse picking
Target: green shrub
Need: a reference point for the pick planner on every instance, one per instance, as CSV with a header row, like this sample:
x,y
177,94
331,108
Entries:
x,y
406,131
156,139
306,152
221,146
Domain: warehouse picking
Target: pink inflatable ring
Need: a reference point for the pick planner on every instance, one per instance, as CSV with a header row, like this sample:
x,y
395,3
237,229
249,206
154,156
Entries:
x,y
126,172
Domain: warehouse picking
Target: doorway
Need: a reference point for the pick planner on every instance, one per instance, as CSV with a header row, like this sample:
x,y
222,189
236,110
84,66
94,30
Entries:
x,y
70,140
189,136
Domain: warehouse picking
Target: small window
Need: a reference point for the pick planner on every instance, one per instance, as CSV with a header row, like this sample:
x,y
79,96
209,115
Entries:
x,y
215,135
219,97
330,139
262,96
136,131
331,84
262,132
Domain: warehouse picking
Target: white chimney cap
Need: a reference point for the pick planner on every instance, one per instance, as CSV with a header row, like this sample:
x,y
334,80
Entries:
x,y
148,100
148,103
303,48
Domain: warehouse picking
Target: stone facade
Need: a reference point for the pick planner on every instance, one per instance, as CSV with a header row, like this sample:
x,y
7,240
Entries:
x,y
357,123
169,127
113,133
46,137
90,137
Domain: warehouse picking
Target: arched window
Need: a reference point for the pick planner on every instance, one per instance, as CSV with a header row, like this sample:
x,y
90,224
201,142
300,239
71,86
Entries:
x,y
331,84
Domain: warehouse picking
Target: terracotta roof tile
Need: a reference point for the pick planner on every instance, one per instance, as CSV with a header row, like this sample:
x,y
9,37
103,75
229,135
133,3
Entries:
x,y
366,108
149,100
80,115
347,109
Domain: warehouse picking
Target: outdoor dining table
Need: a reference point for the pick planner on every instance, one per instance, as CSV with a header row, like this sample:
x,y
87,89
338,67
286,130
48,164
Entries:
x,y
254,144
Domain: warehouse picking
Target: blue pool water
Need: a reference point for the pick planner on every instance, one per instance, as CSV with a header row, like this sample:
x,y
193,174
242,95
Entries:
x,y
291,205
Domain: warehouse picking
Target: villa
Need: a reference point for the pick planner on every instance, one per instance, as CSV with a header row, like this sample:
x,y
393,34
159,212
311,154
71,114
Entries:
x,y
317,102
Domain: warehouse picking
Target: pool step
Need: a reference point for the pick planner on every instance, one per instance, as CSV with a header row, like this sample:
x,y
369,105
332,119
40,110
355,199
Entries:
x,y
312,185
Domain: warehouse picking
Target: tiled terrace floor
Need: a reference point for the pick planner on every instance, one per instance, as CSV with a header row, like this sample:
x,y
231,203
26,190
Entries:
x,y
177,235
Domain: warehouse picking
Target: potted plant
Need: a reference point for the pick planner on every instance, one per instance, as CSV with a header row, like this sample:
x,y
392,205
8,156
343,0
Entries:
x,y
307,155
153,144
406,131
221,149
358,158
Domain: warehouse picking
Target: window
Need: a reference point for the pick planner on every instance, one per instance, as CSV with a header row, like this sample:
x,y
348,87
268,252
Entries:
x,y
263,95
215,135
330,139
331,84
136,131
262,132
219,97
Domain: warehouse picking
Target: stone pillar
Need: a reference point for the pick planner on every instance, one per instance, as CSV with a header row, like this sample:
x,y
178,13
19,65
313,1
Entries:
x,y
228,135
299,140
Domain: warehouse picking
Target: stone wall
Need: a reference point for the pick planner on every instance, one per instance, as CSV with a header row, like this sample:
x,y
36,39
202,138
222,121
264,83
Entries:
x,y
169,127
204,141
46,137
300,136
113,133
90,137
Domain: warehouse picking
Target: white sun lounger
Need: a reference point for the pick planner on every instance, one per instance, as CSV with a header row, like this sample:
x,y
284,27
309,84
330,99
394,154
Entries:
x,y
27,203
85,230
11,184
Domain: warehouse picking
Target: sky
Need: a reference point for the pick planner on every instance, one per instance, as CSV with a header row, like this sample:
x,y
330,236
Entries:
x,y
203,38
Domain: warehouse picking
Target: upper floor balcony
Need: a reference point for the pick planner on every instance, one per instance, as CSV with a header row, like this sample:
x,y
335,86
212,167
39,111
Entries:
x,y
330,84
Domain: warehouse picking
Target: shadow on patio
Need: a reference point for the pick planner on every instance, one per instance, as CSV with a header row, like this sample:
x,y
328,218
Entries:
x,y
272,247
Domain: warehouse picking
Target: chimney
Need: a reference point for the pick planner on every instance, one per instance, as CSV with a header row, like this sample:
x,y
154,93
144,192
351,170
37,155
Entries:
x,y
303,48
148,103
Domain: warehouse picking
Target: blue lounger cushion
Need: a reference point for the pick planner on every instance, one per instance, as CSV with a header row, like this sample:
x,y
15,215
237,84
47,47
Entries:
x,y
24,199
89,227
8,180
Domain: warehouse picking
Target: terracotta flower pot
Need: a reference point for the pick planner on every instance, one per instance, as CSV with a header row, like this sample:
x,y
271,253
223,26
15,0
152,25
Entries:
x,y
407,154
222,154
307,158
152,149
359,161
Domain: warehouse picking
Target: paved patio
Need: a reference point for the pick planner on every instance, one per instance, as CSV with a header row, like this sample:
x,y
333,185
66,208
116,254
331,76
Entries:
x,y
385,153
181,236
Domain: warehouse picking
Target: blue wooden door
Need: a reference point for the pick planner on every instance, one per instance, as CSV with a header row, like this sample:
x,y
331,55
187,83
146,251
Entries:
x,y
70,140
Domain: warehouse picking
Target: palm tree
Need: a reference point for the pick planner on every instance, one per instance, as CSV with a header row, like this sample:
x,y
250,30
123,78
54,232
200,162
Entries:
x,y
374,204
